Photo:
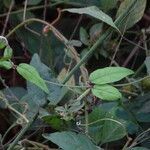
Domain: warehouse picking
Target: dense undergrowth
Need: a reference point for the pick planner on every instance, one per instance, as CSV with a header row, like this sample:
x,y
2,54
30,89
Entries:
x,y
74,74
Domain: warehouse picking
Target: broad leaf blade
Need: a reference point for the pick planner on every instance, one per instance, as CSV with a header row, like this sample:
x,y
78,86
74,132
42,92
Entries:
x,y
71,141
106,92
3,42
135,14
84,36
112,129
47,74
30,74
104,125
109,75
8,52
6,64
94,12
95,31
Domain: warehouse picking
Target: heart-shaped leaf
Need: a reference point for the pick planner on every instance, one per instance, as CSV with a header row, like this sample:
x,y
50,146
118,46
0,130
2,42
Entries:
x,y
71,141
104,125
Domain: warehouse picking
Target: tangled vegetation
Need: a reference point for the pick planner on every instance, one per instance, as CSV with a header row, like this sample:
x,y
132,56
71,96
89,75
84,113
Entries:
x,y
75,74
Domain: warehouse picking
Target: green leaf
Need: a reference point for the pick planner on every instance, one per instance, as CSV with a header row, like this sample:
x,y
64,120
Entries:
x,y
112,130
140,107
8,52
109,75
143,117
54,121
84,36
147,63
30,74
75,106
106,92
94,12
76,43
104,126
38,96
71,141
18,92
95,129
3,42
34,102
95,31
6,64
134,16
132,126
